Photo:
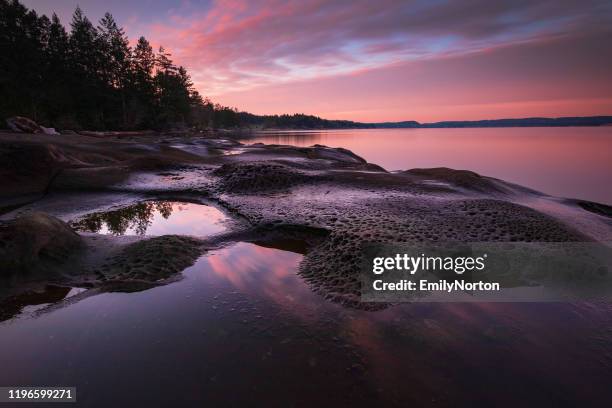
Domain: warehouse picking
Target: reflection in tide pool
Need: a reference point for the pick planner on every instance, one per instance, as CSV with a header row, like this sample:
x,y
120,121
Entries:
x,y
155,218
32,300
242,327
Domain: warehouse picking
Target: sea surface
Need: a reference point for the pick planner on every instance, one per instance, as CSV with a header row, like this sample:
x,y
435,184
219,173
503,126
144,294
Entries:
x,y
572,162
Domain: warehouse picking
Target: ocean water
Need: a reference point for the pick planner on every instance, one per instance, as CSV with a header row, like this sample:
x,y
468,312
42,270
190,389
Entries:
x,y
572,162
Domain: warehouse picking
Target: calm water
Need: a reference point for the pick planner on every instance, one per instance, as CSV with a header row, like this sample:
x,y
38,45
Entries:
x,y
156,218
566,162
242,327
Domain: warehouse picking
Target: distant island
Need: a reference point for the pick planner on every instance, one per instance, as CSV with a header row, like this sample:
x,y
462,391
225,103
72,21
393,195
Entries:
x,y
301,121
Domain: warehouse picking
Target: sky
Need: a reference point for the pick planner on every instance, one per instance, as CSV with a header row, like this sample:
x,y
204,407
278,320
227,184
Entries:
x,y
384,60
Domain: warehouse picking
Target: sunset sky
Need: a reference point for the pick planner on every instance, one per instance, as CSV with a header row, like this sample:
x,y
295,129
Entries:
x,y
382,60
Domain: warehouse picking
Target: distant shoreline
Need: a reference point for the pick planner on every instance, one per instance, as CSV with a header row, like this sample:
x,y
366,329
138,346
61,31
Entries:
x,y
326,124
520,122
407,127
257,123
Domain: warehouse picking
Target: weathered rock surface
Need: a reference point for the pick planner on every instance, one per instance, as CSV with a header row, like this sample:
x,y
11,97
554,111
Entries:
x,y
21,124
258,177
27,168
152,259
35,242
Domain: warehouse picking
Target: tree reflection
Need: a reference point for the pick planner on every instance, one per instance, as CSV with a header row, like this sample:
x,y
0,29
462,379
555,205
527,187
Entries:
x,y
137,217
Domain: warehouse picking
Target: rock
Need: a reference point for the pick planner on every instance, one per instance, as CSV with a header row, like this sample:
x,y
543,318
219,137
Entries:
x,y
461,178
597,208
28,168
35,241
49,131
258,177
153,259
23,125
338,154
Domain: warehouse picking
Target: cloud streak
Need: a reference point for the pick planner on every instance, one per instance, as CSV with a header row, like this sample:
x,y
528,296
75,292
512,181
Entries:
x,y
384,60
238,45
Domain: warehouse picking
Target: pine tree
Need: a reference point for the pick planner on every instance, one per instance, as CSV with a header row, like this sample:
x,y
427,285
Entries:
x,y
57,102
21,42
164,63
142,86
91,78
85,57
116,66
171,93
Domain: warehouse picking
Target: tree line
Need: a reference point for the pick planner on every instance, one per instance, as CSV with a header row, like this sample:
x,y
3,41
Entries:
x,y
90,77
296,121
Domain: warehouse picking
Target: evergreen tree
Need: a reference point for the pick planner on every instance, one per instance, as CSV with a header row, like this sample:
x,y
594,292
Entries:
x,y
57,102
85,57
91,78
21,70
142,86
164,63
172,90
117,55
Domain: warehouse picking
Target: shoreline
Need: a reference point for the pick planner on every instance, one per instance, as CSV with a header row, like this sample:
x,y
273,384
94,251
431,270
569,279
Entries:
x,y
328,199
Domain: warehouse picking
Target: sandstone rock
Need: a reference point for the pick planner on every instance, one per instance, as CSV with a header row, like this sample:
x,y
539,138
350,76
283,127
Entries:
x,y
23,125
28,168
153,259
258,177
35,242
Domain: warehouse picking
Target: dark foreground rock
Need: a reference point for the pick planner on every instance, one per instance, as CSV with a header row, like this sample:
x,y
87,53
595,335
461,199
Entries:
x,y
21,124
151,260
36,242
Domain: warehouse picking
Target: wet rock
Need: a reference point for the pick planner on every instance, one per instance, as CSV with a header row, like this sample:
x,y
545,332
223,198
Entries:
x,y
597,208
258,176
318,201
23,125
337,154
154,259
461,178
34,242
27,168
89,178
332,268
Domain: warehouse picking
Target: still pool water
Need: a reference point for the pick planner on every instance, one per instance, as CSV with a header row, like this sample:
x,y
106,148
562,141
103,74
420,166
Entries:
x,y
243,328
573,162
155,218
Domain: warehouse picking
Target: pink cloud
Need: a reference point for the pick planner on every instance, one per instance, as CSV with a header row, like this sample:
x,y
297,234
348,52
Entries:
x,y
554,77
239,45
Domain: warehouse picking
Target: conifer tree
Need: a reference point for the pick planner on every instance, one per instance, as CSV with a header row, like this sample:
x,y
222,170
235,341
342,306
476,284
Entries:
x,y
142,86
117,55
91,78
85,57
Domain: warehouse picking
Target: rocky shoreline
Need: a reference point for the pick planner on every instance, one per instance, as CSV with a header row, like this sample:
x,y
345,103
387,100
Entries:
x,y
329,200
